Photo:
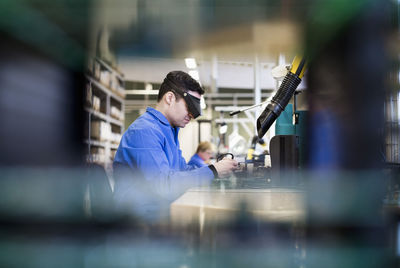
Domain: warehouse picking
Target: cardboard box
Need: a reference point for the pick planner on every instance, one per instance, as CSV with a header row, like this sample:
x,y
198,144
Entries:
x,y
100,130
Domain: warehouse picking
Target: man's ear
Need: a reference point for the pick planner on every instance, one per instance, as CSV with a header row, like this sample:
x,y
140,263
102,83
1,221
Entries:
x,y
169,97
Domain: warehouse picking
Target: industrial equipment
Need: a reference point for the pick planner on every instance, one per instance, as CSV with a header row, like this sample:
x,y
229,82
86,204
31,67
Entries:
x,y
282,96
286,147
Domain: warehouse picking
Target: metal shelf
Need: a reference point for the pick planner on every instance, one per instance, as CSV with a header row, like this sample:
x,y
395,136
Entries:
x,y
116,122
103,88
96,143
114,146
97,114
105,117
112,70
102,144
95,159
108,98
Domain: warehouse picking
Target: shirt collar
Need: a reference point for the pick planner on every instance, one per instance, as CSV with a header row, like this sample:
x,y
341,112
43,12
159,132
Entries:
x,y
158,115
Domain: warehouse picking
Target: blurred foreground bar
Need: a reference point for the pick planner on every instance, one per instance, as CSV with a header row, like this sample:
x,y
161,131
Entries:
x,y
348,65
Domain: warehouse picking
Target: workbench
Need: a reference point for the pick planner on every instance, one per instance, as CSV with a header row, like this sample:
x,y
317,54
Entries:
x,y
223,205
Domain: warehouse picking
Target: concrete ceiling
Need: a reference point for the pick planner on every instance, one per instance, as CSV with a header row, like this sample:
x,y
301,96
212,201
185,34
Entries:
x,y
231,31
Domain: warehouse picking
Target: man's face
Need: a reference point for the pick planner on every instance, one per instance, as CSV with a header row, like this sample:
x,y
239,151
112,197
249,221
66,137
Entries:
x,y
179,113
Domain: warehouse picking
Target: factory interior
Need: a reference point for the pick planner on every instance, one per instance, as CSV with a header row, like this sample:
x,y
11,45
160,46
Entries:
x,y
303,95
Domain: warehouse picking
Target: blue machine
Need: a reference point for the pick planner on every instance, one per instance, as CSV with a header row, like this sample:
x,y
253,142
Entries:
x,y
287,125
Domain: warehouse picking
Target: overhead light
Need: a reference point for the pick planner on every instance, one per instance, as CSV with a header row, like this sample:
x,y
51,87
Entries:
x,y
194,74
191,63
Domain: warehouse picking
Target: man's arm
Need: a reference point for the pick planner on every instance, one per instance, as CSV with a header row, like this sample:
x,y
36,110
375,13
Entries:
x,y
143,150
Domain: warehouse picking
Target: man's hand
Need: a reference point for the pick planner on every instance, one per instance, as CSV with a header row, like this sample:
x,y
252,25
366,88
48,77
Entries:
x,y
225,167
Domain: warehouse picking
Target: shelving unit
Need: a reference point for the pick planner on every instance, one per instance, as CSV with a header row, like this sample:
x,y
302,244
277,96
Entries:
x,y
104,107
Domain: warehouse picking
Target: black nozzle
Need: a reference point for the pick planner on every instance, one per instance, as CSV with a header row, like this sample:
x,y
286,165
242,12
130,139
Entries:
x,y
278,103
235,112
265,121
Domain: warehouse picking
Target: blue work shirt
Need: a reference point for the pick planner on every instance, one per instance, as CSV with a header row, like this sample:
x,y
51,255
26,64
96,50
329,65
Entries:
x,y
150,145
196,161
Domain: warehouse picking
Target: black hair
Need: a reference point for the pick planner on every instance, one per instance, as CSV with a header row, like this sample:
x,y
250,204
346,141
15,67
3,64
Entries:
x,y
178,82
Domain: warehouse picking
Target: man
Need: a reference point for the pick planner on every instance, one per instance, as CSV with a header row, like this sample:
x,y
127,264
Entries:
x,y
150,146
202,155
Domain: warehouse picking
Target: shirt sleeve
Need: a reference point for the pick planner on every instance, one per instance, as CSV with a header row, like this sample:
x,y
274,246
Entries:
x,y
143,150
